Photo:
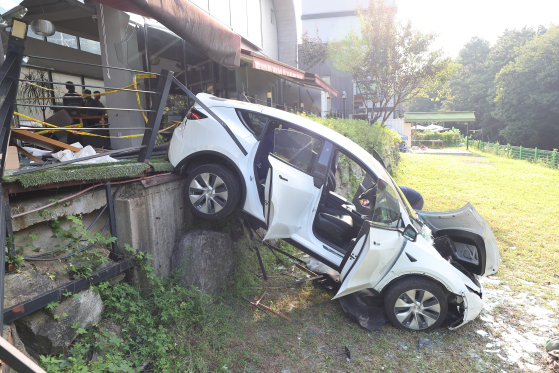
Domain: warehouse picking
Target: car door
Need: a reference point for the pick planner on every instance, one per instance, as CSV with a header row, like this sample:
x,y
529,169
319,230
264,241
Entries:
x,y
379,244
375,252
291,192
476,246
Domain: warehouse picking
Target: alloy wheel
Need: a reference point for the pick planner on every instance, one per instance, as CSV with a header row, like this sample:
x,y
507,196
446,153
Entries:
x,y
208,193
417,309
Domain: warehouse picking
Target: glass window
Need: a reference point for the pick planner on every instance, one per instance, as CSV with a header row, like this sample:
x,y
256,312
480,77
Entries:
x,y
255,122
63,39
31,34
387,205
296,148
90,46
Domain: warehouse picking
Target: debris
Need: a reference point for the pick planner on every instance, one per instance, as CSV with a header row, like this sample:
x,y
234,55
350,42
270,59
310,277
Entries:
x,y
306,270
513,248
424,343
553,360
264,308
345,351
42,141
297,282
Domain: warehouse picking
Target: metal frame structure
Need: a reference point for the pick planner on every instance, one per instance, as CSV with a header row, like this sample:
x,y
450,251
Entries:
x,y
9,80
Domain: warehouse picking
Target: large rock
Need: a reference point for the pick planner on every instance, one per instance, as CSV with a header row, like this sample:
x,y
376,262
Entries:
x,y
44,335
206,259
25,285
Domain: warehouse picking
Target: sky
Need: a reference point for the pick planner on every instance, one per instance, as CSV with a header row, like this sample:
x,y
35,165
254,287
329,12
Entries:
x,y
456,22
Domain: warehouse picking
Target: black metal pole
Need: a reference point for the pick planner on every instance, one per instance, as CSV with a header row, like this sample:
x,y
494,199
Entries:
x,y
2,258
154,119
112,223
261,264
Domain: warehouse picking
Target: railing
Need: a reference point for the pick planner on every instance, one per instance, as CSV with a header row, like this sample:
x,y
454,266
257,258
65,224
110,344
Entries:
x,y
539,156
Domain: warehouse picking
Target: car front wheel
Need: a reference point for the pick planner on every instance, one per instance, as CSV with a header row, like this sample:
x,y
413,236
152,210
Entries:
x,y
416,304
212,191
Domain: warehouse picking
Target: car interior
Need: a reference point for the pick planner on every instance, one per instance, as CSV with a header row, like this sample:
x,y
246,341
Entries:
x,y
338,221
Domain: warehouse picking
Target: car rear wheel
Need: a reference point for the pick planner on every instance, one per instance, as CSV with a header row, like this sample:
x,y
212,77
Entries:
x,y
212,191
416,304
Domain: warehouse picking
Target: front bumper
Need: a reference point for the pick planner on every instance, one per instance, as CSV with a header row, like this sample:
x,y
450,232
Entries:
x,y
473,304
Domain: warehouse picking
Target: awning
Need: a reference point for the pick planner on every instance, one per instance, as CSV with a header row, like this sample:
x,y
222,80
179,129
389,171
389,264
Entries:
x,y
265,63
449,116
287,72
190,23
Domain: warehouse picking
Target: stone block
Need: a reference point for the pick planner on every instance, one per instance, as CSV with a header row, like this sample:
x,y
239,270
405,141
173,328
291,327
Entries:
x,y
43,335
206,259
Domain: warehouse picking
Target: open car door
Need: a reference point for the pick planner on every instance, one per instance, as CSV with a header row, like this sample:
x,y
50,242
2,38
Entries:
x,y
375,252
288,199
476,246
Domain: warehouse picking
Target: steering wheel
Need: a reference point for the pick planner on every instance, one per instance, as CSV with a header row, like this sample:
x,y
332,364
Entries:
x,y
368,197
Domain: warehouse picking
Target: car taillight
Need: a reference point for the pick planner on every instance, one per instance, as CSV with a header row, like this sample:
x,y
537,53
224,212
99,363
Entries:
x,y
195,114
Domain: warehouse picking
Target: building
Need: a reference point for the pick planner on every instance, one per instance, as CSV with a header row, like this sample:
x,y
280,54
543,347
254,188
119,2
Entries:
x,y
253,56
333,20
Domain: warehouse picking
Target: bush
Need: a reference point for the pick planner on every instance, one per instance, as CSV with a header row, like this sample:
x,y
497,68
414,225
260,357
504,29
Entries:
x,y
450,138
369,136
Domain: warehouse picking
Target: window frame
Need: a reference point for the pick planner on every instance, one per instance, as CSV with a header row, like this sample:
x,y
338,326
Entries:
x,y
248,127
319,138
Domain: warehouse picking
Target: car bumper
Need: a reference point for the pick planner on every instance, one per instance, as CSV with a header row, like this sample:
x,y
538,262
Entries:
x,y
473,304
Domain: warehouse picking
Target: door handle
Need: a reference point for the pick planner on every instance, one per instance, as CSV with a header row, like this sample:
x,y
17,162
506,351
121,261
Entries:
x,y
282,178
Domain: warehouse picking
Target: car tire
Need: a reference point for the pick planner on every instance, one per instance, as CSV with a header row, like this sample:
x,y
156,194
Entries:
x,y
416,303
212,191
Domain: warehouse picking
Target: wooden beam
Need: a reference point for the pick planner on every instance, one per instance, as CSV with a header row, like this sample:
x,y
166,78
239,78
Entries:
x,y
42,141
25,152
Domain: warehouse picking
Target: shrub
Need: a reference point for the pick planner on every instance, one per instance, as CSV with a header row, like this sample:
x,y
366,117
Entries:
x,y
369,136
450,137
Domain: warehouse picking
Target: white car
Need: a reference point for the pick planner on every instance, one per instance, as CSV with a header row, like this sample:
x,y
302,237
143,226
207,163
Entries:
x,y
324,194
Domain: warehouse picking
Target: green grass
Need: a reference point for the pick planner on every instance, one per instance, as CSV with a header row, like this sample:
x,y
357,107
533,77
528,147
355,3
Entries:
x,y
518,199
185,331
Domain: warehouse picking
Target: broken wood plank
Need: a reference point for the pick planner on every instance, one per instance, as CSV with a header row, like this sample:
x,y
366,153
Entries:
x,y
306,270
262,307
42,141
25,152
160,179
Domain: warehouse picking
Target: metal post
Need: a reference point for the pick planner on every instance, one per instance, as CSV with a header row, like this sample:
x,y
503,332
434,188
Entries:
x,y
112,223
536,155
553,158
158,104
496,148
261,264
9,75
520,152
467,135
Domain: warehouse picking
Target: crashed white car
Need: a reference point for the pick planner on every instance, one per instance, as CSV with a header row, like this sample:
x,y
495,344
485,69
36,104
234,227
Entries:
x,y
327,196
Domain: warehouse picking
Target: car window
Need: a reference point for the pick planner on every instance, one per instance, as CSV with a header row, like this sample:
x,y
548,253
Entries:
x,y
349,177
256,123
296,148
387,206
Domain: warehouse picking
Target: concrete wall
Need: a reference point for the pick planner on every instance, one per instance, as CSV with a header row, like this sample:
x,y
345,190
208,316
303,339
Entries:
x,y
152,219
288,31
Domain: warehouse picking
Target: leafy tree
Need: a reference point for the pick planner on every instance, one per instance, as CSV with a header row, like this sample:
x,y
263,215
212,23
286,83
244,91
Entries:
x,y
528,93
390,63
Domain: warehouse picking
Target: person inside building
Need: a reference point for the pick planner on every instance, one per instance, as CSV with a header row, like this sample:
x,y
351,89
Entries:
x,y
72,98
89,102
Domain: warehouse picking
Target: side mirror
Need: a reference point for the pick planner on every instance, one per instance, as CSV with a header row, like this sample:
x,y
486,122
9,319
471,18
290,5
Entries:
x,y
410,233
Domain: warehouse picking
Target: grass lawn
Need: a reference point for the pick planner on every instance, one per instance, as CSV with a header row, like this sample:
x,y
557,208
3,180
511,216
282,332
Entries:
x,y
520,202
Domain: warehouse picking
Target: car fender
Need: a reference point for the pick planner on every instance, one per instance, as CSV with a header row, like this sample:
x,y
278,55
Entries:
x,y
416,259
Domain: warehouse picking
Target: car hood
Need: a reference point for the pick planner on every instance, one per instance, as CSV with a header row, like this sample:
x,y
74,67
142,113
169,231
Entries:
x,y
468,221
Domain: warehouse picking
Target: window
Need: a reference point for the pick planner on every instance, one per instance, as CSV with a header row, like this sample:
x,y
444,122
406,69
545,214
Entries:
x,y
387,205
90,46
31,34
296,148
254,122
63,39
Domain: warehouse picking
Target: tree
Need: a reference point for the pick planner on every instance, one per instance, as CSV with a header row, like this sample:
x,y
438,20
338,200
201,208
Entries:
x,y
527,97
390,63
